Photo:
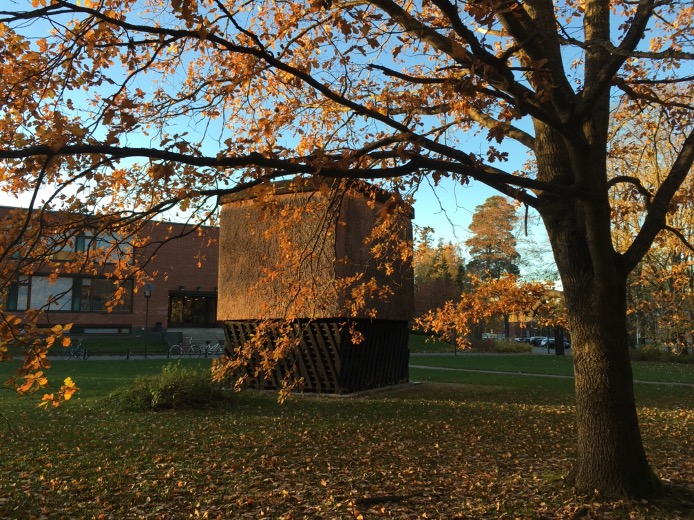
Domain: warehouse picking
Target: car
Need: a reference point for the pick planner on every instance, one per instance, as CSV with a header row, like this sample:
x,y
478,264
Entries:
x,y
547,343
551,343
536,340
522,340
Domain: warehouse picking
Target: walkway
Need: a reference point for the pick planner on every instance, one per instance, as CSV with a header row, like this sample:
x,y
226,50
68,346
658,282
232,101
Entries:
x,y
531,374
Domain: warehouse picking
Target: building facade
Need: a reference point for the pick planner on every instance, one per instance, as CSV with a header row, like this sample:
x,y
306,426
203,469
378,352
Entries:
x,y
179,260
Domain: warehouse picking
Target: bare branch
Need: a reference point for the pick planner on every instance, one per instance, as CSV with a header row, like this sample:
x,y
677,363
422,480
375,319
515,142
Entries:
x,y
605,71
655,220
681,237
633,94
634,181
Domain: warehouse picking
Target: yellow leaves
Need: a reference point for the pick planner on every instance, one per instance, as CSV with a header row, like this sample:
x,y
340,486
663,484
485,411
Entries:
x,y
488,298
60,329
67,390
57,142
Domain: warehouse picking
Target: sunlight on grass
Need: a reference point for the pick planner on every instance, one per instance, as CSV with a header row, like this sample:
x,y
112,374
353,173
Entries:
x,y
459,444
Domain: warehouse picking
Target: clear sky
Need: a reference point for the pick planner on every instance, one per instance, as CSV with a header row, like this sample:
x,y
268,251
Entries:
x,y
448,208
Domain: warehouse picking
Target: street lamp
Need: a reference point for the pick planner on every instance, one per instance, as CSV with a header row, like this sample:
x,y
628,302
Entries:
x,y
149,289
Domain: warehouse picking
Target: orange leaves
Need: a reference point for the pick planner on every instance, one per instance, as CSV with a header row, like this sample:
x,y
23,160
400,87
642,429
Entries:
x,y
32,382
160,171
35,342
489,297
67,390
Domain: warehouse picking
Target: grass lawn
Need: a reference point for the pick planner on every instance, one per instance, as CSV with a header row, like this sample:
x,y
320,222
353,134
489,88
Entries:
x,y
426,344
560,365
459,445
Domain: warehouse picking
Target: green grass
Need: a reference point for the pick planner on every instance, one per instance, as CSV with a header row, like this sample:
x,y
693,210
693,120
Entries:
x,y
111,346
461,444
557,365
427,344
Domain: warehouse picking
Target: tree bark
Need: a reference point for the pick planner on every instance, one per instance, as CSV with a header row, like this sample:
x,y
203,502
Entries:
x,y
611,460
610,457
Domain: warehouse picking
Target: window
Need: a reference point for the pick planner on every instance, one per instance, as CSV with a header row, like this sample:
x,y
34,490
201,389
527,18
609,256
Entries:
x,y
18,298
68,294
92,295
192,310
107,246
56,296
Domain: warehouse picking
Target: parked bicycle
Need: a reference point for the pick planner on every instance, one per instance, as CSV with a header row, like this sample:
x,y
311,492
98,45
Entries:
x,y
185,348
213,349
77,351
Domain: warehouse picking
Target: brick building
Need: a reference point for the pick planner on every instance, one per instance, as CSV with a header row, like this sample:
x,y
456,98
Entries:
x,y
182,296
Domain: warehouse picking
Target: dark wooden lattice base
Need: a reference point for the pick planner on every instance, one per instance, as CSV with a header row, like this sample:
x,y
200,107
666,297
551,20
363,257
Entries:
x,y
328,360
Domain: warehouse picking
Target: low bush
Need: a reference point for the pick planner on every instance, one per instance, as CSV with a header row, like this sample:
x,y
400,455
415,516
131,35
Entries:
x,y
426,343
176,387
512,347
664,355
501,346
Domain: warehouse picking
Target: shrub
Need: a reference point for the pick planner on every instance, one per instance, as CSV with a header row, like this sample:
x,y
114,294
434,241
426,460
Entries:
x,y
176,387
501,346
654,352
512,347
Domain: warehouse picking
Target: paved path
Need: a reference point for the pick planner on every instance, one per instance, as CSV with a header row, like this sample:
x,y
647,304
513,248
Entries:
x,y
531,374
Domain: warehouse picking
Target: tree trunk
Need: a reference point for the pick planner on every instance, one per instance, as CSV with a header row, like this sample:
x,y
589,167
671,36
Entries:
x,y
610,458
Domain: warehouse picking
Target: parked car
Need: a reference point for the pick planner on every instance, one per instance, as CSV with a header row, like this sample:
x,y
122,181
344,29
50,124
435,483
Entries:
x,y
536,340
551,342
522,340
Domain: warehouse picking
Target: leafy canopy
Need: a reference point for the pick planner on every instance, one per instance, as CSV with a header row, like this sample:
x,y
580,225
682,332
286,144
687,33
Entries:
x,y
131,108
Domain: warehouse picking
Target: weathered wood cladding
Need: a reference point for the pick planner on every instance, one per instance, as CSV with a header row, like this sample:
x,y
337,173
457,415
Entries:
x,y
249,249
250,252
328,360
260,280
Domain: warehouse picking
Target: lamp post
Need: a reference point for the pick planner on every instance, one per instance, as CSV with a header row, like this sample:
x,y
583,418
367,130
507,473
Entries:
x,y
149,289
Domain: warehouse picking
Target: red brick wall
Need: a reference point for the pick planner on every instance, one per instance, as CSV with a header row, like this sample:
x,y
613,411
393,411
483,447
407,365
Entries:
x,y
189,261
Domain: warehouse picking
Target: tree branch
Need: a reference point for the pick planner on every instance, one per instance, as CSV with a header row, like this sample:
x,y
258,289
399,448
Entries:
x,y
486,66
634,181
604,74
533,26
680,236
655,220
621,84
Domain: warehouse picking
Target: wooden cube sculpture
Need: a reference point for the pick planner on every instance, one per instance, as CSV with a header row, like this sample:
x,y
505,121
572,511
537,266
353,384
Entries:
x,y
296,254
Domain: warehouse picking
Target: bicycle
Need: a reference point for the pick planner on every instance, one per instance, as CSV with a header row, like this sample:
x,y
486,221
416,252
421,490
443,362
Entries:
x,y
78,351
188,349
213,349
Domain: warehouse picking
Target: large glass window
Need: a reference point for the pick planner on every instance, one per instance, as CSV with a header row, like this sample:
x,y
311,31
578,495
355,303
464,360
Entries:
x,y
192,310
107,246
92,295
51,295
68,294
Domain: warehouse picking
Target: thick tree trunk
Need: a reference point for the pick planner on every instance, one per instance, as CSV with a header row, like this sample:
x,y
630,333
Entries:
x,y
610,458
